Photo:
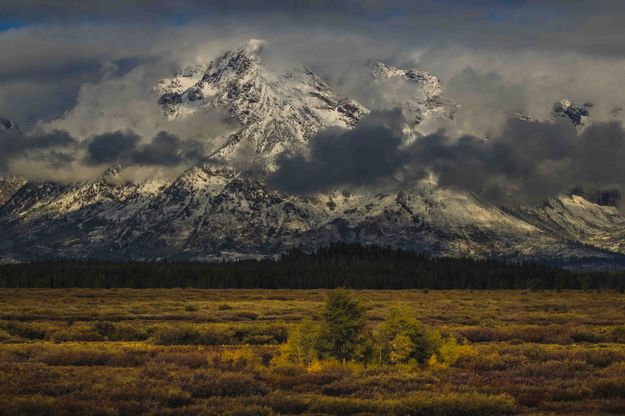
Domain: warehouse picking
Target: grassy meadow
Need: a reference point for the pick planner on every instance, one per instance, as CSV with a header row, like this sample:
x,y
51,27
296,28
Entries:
x,y
222,352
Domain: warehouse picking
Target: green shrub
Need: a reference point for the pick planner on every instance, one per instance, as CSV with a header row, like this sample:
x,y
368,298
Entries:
x,y
259,340
303,343
177,335
254,334
250,316
189,307
217,335
74,333
342,332
586,335
403,339
76,357
120,332
23,330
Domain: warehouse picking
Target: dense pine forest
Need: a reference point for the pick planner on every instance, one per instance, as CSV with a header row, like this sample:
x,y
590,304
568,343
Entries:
x,y
346,265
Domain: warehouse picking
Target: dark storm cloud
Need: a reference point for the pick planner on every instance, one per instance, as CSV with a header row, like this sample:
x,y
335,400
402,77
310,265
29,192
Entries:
x,y
359,156
41,146
37,10
592,27
58,150
27,10
42,68
528,161
56,47
112,148
124,148
91,66
168,150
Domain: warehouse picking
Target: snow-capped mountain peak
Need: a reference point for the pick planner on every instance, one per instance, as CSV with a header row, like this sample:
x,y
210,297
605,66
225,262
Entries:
x,y
567,109
429,86
279,111
213,211
419,94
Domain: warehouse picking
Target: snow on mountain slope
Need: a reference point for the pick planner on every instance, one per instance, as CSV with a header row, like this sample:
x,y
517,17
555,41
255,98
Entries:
x,y
210,213
69,220
8,186
279,111
417,93
214,212
574,218
57,200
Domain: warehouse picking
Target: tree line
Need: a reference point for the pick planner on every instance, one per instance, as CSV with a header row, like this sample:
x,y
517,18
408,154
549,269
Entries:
x,y
338,265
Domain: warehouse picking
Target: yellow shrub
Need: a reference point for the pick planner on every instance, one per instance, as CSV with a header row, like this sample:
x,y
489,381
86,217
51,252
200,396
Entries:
x,y
450,351
301,346
239,358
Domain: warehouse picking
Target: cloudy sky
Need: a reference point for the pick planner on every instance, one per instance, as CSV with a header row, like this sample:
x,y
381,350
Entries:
x,y
79,74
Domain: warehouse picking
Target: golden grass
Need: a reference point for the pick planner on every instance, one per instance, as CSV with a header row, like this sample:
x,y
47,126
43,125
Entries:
x,y
204,352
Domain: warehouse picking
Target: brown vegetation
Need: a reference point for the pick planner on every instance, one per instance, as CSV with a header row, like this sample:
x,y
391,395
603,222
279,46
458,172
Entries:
x,y
240,352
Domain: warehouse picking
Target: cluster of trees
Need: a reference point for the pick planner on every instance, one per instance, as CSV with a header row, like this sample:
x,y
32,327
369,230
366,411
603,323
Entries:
x,y
348,265
343,335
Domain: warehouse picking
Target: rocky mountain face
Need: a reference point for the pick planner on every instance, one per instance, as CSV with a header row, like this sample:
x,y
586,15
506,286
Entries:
x,y
215,212
417,93
8,187
280,111
576,114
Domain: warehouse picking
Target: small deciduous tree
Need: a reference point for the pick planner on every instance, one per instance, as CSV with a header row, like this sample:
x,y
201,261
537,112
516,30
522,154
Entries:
x,y
302,343
343,329
403,339
400,349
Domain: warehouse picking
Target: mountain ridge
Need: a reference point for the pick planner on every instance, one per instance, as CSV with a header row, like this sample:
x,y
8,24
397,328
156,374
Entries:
x,y
214,212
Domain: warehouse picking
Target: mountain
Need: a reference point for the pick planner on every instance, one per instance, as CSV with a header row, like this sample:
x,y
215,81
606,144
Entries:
x,y
8,186
572,112
417,93
213,211
280,111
